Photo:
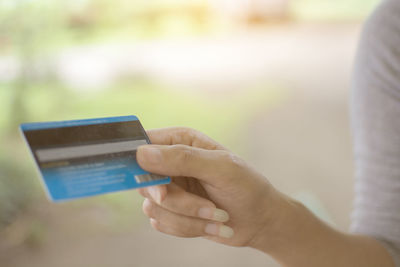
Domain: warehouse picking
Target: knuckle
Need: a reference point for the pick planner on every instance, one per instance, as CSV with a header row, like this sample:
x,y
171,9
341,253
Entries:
x,y
156,225
183,153
184,135
232,160
142,192
187,131
181,203
148,208
194,134
233,165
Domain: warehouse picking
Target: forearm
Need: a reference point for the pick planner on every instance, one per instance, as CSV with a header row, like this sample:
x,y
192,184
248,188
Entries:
x,y
298,238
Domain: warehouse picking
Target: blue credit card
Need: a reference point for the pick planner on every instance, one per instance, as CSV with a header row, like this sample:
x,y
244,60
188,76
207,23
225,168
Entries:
x,y
82,158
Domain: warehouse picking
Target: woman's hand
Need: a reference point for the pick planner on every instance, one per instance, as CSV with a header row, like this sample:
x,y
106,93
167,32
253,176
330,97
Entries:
x,y
213,193
216,195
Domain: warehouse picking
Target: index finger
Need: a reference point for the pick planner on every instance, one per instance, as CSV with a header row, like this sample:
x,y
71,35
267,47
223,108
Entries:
x,y
182,136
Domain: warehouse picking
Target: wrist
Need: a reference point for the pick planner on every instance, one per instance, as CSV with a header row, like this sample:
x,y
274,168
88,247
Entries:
x,y
282,218
294,233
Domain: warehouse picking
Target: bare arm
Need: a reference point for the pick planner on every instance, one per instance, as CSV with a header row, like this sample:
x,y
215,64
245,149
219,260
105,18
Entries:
x,y
303,240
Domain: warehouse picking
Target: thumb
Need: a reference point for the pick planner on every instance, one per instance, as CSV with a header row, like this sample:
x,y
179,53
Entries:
x,y
215,167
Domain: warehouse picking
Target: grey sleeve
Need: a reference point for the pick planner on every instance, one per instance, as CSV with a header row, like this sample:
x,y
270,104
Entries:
x,y
375,109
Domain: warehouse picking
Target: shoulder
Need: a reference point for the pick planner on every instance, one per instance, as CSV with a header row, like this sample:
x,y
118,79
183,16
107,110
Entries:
x,y
378,58
384,23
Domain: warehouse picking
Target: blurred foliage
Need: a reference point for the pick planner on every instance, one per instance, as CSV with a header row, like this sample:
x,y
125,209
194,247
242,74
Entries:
x,y
36,234
29,25
333,11
16,189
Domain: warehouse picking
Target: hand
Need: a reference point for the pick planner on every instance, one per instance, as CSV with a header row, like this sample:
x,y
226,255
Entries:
x,y
213,193
216,195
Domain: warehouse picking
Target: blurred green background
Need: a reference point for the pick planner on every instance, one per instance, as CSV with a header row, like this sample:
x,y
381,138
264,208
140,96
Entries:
x,y
267,78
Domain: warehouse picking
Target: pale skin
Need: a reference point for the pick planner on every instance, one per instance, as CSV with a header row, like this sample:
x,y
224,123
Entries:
x,y
216,195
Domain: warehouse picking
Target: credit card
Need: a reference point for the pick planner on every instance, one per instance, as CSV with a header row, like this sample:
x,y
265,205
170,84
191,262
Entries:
x,y
81,158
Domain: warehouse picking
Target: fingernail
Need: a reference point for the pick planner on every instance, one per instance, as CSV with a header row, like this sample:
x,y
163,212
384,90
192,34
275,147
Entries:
x,y
151,154
155,193
213,214
219,230
225,231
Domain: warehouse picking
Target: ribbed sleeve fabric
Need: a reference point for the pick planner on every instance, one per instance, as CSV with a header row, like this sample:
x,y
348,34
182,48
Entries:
x,y
375,112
